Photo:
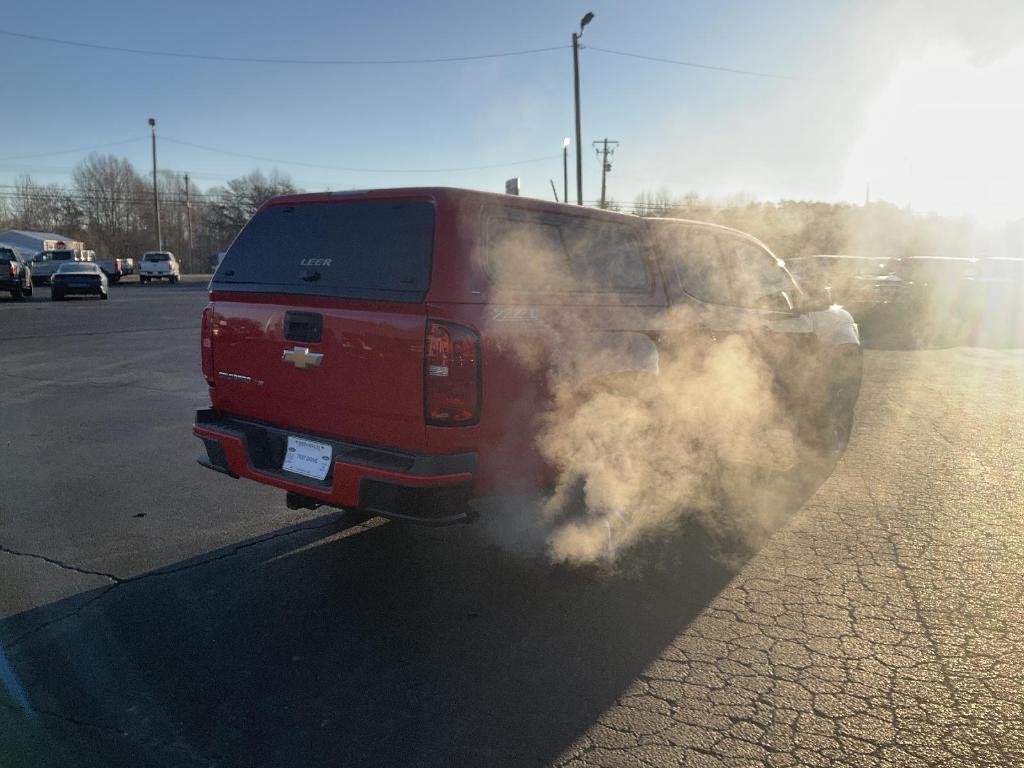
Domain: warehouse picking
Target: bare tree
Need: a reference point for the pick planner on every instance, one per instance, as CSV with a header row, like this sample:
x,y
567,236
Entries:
x,y
44,208
236,203
110,193
659,203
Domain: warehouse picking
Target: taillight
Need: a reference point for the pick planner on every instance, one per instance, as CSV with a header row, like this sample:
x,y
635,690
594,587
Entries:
x,y
206,345
13,268
451,375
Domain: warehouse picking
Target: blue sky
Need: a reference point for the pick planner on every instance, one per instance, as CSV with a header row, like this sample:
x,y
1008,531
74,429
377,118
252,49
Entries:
x,y
680,128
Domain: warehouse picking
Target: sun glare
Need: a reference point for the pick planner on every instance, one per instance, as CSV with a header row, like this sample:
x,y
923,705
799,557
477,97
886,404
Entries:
x,y
946,136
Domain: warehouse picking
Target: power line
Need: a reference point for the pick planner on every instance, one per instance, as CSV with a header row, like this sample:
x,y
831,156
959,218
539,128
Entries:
x,y
279,161
260,60
712,67
397,62
73,151
345,169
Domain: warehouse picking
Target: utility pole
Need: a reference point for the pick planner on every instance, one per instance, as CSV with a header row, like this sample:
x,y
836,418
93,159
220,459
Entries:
x,y
188,213
156,198
565,169
576,87
606,166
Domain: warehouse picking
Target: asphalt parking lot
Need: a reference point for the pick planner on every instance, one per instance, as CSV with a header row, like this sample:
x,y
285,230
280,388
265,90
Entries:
x,y
155,613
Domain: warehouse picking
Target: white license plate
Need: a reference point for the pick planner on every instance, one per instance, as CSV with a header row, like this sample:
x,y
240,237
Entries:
x,y
307,457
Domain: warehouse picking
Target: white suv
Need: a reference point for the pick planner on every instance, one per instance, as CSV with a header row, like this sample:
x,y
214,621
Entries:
x,y
157,265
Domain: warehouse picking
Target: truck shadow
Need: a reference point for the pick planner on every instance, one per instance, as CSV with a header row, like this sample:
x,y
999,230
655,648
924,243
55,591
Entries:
x,y
327,643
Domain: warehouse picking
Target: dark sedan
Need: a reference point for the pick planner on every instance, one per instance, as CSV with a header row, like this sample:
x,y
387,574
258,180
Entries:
x,y
78,277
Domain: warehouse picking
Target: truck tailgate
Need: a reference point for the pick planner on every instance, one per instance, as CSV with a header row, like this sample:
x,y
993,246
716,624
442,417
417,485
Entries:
x,y
361,381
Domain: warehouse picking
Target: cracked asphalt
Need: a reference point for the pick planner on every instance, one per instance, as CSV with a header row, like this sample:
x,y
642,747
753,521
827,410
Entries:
x,y
155,613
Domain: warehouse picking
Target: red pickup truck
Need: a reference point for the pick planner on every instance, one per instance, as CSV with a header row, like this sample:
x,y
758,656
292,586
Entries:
x,y
389,351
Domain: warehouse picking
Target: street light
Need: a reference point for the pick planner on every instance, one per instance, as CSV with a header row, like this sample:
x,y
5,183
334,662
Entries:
x,y
156,198
576,84
565,169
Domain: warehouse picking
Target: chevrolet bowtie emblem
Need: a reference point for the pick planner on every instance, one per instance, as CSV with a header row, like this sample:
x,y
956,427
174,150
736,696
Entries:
x,y
301,357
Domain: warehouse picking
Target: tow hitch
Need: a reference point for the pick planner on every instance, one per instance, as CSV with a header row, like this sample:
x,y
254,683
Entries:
x,y
299,501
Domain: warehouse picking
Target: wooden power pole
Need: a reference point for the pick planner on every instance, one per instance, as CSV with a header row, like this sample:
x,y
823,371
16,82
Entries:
x,y
605,152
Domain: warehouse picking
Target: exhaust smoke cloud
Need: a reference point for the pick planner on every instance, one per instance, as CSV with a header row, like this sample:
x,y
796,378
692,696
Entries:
x,y
644,438
638,455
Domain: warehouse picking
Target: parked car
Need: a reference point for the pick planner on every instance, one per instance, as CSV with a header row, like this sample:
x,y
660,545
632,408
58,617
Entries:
x,y
159,265
127,266
45,263
366,350
113,268
853,281
15,274
869,288
78,278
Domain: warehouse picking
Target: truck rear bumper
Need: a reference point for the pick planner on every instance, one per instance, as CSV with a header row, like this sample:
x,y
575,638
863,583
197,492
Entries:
x,y
424,488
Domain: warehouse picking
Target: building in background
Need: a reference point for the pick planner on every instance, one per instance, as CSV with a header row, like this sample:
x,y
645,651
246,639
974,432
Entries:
x,y
28,244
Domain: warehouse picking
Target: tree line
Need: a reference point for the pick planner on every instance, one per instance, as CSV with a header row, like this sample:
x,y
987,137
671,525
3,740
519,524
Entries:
x,y
109,206
803,228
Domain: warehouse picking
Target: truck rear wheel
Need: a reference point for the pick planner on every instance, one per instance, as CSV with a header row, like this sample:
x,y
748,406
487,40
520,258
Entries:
x,y
827,436
837,425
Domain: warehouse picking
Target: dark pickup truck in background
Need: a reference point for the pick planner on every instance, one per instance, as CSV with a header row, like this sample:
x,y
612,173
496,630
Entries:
x,y
924,300
15,274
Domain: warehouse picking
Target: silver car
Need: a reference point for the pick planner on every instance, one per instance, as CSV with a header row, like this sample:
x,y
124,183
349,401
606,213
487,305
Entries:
x,y
80,278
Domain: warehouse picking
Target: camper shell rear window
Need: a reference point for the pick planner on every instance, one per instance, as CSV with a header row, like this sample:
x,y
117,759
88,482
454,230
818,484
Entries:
x,y
378,250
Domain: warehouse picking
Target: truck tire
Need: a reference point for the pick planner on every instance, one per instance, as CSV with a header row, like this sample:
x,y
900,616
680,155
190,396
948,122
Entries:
x,y
173,279
827,436
54,296
17,293
838,424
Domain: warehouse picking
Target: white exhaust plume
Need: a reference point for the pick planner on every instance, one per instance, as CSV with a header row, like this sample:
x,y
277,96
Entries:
x,y
638,455
644,439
